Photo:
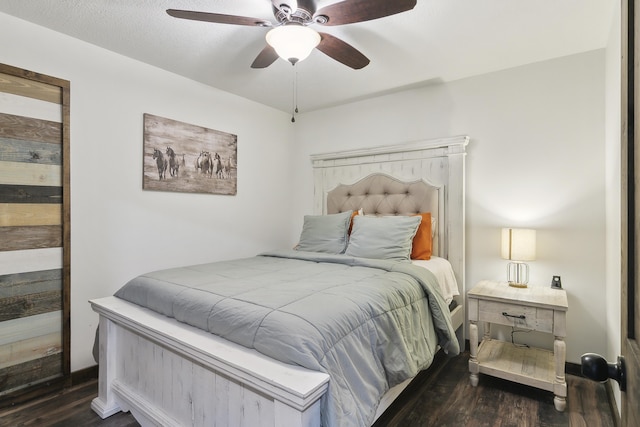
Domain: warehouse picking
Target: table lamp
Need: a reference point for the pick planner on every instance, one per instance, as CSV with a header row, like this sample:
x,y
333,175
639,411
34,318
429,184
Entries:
x,y
518,245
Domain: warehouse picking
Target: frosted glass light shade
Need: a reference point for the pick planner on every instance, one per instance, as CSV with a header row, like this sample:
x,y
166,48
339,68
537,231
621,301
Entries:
x,y
518,244
293,43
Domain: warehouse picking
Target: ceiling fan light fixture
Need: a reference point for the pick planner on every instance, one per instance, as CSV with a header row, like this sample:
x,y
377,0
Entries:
x,y
293,42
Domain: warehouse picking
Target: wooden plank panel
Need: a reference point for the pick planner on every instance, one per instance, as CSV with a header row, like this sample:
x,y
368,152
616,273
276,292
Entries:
x,y
203,395
20,284
30,129
29,305
30,349
146,371
15,173
28,373
17,150
30,260
30,88
19,238
221,401
30,194
181,378
28,107
24,214
258,409
36,326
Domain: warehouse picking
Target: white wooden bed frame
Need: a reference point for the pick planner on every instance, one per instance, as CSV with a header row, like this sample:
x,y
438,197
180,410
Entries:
x,y
170,374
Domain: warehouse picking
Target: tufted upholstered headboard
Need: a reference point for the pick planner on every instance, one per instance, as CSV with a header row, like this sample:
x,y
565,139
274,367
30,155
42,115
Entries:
x,y
437,162
381,194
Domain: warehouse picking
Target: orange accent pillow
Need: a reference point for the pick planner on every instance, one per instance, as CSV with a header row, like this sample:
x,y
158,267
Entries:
x,y
353,215
422,241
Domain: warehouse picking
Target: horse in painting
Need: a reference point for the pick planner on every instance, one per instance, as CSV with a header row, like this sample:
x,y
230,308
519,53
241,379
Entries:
x,y
204,163
174,164
161,163
217,162
227,168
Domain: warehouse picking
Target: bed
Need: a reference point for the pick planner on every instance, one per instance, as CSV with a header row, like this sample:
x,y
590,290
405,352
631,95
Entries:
x,y
169,372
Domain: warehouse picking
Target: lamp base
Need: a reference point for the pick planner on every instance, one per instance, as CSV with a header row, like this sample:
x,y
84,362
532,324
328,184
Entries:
x,y
518,285
518,274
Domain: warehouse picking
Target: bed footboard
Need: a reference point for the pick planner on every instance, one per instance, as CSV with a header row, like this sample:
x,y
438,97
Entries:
x,y
167,373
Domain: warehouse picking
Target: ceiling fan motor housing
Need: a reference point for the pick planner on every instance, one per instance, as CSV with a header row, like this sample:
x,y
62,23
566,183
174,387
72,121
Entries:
x,y
302,15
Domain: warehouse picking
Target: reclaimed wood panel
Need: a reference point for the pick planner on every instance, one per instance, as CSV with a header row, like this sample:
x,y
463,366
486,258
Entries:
x,y
17,85
29,305
30,349
16,173
28,107
30,260
30,194
17,284
39,325
29,294
24,214
30,129
16,150
24,374
20,238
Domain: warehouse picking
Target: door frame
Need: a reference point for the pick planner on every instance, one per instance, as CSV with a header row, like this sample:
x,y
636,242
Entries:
x,y
630,210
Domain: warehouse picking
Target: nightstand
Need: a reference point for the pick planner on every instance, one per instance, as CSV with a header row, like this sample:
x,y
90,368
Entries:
x,y
534,308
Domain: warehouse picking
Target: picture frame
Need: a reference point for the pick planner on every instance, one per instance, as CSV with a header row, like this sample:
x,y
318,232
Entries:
x,y
187,158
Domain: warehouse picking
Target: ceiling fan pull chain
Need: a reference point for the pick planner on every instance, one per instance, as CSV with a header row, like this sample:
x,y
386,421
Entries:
x,y
295,72
295,94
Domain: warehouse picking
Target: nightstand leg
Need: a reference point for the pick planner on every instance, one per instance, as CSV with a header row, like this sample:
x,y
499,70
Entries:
x,y
560,386
487,331
473,349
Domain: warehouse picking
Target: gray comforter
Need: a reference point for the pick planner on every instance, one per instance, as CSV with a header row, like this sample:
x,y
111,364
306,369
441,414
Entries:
x,y
369,324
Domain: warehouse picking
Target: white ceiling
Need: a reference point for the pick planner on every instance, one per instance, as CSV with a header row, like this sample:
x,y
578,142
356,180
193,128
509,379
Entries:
x,y
439,40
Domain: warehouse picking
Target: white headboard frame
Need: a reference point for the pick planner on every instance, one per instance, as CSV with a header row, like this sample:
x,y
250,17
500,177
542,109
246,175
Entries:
x,y
440,162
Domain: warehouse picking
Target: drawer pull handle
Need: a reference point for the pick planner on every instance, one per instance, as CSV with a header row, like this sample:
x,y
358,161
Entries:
x,y
521,316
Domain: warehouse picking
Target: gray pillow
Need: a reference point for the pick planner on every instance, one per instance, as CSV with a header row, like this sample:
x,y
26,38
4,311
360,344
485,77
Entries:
x,y
383,237
325,233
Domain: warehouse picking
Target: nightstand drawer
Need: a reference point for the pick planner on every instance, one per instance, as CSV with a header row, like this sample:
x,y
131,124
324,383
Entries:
x,y
520,316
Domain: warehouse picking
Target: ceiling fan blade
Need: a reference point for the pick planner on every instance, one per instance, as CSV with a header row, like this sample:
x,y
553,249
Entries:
x,y
342,51
350,11
218,18
265,58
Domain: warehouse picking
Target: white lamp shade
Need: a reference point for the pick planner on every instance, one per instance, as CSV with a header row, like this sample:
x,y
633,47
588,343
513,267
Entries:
x,y
293,43
518,244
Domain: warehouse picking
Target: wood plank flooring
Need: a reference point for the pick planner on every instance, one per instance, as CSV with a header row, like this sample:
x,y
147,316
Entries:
x,y
441,396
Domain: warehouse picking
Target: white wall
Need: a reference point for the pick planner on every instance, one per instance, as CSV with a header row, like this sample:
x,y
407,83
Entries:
x,y
118,230
535,160
613,190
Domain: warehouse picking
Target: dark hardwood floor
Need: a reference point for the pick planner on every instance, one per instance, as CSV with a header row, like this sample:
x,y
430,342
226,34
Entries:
x,y
441,396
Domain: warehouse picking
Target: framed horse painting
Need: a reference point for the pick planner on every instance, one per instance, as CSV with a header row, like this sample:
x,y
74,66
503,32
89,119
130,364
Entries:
x,y
188,158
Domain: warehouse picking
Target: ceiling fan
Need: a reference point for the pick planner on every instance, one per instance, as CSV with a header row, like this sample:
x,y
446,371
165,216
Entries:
x,y
296,16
